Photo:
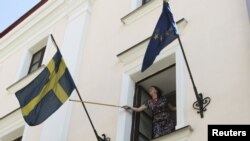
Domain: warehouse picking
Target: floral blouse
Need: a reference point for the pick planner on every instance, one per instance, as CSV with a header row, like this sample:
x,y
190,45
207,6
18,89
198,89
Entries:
x,y
163,123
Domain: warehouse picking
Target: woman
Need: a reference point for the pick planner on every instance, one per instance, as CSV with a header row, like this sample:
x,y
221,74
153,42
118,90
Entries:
x,y
163,123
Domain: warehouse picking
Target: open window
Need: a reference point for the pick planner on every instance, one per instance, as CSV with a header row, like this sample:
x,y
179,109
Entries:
x,y
142,122
36,60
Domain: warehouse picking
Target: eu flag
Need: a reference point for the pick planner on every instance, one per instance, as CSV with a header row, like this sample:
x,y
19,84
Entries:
x,y
47,92
164,33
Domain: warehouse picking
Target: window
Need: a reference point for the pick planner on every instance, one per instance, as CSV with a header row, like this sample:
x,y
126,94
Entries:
x,y
145,1
139,8
36,60
171,58
142,122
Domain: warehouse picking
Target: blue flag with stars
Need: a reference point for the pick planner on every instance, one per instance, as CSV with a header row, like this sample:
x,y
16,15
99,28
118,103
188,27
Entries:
x,y
164,33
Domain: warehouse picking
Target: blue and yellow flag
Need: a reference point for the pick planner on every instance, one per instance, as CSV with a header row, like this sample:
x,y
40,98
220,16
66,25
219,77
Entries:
x,y
47,92
164,33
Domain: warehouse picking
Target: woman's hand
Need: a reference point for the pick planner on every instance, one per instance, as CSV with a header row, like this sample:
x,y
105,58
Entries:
x,y
126,107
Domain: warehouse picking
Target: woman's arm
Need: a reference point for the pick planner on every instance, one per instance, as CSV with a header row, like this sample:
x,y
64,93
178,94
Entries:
x,y
135,109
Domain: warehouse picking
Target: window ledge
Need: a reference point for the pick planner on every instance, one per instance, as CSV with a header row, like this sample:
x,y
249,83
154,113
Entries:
x,y
11,126
180,134
139,49
25,80
141,11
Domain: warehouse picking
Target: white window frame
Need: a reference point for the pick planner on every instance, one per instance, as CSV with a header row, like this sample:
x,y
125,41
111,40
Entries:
x,y
26,60
135,4
12,126
128,89
137,11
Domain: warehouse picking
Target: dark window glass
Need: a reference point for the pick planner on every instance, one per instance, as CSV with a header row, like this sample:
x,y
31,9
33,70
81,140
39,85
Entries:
x,y
36,60
18,139
145,1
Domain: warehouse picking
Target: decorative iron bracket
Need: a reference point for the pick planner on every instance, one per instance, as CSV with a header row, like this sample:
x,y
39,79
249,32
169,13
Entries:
x,y
201,104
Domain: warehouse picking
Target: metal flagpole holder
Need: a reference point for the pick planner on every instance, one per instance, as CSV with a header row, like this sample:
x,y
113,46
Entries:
x,y
201,102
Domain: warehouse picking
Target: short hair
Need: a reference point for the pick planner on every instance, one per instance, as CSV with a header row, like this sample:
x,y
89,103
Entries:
x,y
159,91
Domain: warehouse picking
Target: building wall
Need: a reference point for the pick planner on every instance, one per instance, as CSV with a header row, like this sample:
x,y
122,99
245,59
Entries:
x,y
216,41
60,18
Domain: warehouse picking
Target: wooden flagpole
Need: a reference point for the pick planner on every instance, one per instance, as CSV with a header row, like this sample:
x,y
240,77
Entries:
x,y
96,103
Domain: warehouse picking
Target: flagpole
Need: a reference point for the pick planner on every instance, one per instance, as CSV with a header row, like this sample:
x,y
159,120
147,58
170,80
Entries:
x,y
84,107
96,103
199,97
54,41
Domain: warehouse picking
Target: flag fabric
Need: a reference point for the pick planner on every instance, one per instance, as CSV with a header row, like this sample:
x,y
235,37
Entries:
x,y
47,92
164,33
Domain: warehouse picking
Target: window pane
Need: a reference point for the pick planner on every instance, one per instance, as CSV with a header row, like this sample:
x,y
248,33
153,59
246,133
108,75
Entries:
x,y
37,57
172,100
34,67
145,1
141,138
145,125
144,98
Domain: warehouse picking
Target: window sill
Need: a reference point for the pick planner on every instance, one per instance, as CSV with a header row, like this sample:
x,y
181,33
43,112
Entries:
x,y
138,50
25,80
11,125
141,11
180,134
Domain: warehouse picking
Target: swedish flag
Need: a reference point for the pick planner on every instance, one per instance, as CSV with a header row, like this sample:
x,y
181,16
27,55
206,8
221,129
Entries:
x,y
47,92
164,33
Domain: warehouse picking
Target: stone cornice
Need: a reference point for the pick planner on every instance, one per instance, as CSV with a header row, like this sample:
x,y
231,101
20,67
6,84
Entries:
x,y
41,21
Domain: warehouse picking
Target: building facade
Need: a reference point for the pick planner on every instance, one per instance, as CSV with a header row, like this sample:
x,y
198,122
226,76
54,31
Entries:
x,y
103,43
